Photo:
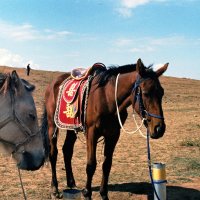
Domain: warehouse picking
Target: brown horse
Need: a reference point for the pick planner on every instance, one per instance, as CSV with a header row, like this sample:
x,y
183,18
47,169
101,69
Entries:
x,y
138,86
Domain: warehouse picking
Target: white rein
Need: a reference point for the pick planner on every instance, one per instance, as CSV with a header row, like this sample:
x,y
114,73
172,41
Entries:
x,y
118,115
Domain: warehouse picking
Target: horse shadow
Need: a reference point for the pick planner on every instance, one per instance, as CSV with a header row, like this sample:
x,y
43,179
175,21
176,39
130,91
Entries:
x,y
144,188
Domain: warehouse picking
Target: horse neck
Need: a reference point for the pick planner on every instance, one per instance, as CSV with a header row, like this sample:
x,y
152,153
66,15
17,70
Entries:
x,y
124,89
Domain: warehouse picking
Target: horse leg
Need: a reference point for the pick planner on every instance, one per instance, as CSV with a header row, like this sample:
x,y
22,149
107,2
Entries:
x,y
53,159
91,163
67,149
110,144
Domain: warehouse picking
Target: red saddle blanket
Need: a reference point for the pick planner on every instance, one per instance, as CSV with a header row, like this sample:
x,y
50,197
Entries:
x,y
70,106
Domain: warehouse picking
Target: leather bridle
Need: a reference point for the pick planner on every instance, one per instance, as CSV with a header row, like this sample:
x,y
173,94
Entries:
x,y
138,98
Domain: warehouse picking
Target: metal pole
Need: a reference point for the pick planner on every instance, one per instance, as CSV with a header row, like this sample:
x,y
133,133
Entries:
x,y
159,180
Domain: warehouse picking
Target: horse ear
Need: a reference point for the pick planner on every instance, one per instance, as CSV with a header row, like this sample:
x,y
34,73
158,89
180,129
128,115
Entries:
x,y
140,67
161,70
18,83
28,86
15,79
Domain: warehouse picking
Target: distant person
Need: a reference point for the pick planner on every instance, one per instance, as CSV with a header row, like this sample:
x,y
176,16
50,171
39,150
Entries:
x,y
28,69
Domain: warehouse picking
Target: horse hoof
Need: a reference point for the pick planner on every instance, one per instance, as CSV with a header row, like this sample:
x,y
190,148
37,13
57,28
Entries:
x,y
87,198
87,195
57,195
104,198
71,184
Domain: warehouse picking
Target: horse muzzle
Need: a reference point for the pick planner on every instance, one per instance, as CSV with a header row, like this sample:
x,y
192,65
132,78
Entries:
x,y
158,131
30,161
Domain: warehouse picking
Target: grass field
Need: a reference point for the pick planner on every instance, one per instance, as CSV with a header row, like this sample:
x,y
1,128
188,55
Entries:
x,y
179,149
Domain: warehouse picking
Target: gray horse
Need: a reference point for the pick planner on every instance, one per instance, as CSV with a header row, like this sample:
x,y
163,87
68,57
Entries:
x,y
19,130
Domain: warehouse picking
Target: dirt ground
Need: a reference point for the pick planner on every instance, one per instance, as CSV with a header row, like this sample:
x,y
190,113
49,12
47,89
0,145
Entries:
x,y
179,149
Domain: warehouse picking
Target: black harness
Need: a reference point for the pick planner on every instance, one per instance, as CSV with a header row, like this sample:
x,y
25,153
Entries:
x,y
138,98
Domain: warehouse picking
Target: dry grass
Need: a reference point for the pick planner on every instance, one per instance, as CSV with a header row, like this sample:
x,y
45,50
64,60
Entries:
x,y
191,143
129,179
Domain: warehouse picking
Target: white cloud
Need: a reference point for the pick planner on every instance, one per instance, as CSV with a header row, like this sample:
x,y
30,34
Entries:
x,y
133,3
72,54
171,40
124,12
142,49
26,32
151,44
9,58
136,45
174,40
126,6
123,42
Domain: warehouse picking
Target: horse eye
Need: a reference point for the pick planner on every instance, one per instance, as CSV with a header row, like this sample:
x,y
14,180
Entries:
x,y
32,116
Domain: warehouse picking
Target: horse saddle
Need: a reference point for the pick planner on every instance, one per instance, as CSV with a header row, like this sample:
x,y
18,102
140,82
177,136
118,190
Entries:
x,y
73,93
82,73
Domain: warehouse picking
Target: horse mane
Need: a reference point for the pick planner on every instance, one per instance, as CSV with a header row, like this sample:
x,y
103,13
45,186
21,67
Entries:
x,y
97,69
4,83
2,79
111,71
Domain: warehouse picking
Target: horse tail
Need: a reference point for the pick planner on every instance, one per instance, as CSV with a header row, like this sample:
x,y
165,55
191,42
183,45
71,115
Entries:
x,y
44,132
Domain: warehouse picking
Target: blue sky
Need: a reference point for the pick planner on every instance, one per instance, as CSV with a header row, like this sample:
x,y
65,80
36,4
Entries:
x,y
63,34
